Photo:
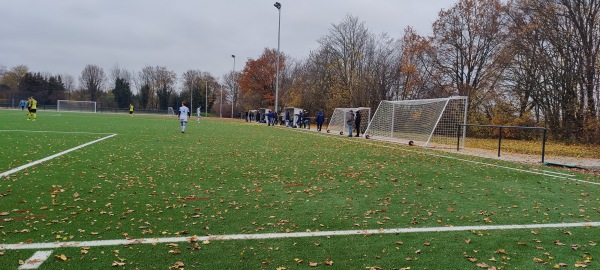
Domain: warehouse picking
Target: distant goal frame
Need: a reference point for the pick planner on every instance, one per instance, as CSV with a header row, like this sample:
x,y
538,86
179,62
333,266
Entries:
x,y
337,121
77,106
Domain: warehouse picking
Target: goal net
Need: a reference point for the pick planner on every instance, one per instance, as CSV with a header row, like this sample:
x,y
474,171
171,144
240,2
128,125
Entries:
x,y
337,122
170,111
75,106
425,122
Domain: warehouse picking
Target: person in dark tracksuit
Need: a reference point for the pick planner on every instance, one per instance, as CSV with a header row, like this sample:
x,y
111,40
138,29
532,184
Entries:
x,y
320,119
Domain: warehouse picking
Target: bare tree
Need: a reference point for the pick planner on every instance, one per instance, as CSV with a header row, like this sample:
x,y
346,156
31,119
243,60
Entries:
x,y
468,39
347,42
147,88
69,83
119,73
92,79
164,80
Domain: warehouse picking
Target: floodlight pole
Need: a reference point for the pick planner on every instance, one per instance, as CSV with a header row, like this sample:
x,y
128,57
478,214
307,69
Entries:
x,y
233,86
192,96
278,6
221,105
206,100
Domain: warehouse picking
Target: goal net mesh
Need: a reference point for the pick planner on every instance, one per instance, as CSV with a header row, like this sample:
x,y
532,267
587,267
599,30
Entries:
x,y
337,122
426,122
170,111
75,106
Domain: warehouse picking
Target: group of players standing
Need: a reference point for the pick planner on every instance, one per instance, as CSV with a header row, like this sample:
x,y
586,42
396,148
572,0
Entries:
x,y
31,104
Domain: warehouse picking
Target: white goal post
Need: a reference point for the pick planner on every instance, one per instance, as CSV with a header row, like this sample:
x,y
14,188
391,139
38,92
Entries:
x,y
170,111
337,122
423,122
75,106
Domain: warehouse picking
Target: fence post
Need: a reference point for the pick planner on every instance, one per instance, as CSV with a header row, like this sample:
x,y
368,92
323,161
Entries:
x,y
457,137
543,145
499,141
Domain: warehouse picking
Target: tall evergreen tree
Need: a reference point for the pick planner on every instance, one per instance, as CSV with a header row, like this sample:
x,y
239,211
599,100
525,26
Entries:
x,y
122,93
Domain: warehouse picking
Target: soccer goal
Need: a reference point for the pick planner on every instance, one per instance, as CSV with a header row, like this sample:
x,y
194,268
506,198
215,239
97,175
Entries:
x,y
170,111
337,122
75,106
422,122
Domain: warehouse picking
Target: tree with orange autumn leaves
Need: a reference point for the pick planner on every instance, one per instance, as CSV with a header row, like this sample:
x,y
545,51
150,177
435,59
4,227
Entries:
x,y
257,80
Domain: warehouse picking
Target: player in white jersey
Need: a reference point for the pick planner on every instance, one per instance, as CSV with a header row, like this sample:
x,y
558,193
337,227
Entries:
x,y
198,111
184,113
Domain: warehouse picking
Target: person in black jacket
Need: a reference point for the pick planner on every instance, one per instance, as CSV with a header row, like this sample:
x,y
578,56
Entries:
x,y
320,119
357,123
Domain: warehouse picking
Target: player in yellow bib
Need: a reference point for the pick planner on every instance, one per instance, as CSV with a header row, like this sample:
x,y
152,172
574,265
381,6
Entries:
x,y
131,109
32,105
28,107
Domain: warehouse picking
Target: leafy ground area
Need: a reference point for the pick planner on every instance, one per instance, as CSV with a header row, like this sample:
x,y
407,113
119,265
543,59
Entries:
x,y
229,177
534,147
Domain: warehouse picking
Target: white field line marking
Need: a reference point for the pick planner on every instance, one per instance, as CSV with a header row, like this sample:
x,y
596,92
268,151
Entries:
x,y
284,235
557,173
541,172
36,260
7,173
62,132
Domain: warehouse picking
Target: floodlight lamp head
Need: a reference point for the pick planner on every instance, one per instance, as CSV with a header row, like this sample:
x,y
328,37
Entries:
x,y
233,55
277,5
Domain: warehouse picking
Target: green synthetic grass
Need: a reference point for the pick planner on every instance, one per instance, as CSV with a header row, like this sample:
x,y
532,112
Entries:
x,y
231,177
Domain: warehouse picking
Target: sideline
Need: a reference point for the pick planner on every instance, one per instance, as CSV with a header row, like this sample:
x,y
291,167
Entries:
x,y
9,172
117,242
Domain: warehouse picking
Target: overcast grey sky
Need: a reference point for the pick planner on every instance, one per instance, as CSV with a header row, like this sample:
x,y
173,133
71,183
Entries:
x,y
63,36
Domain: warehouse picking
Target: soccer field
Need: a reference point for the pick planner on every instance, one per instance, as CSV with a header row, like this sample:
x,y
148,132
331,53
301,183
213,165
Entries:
x,y
101,191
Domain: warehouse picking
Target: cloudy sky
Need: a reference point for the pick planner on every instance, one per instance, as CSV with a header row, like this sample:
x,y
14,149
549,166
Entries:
x,y
63,36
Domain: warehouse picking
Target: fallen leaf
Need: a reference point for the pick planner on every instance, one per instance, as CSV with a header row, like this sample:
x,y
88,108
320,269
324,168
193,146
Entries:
x,y
538,260
313,264
482,265
115,263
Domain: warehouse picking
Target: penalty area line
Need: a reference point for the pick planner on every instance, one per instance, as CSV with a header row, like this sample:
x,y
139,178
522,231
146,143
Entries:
x,y
117,242
38,258
49,131
7,173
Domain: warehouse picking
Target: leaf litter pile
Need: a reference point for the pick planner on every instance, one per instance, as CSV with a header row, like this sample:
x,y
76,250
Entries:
x,y
223,177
